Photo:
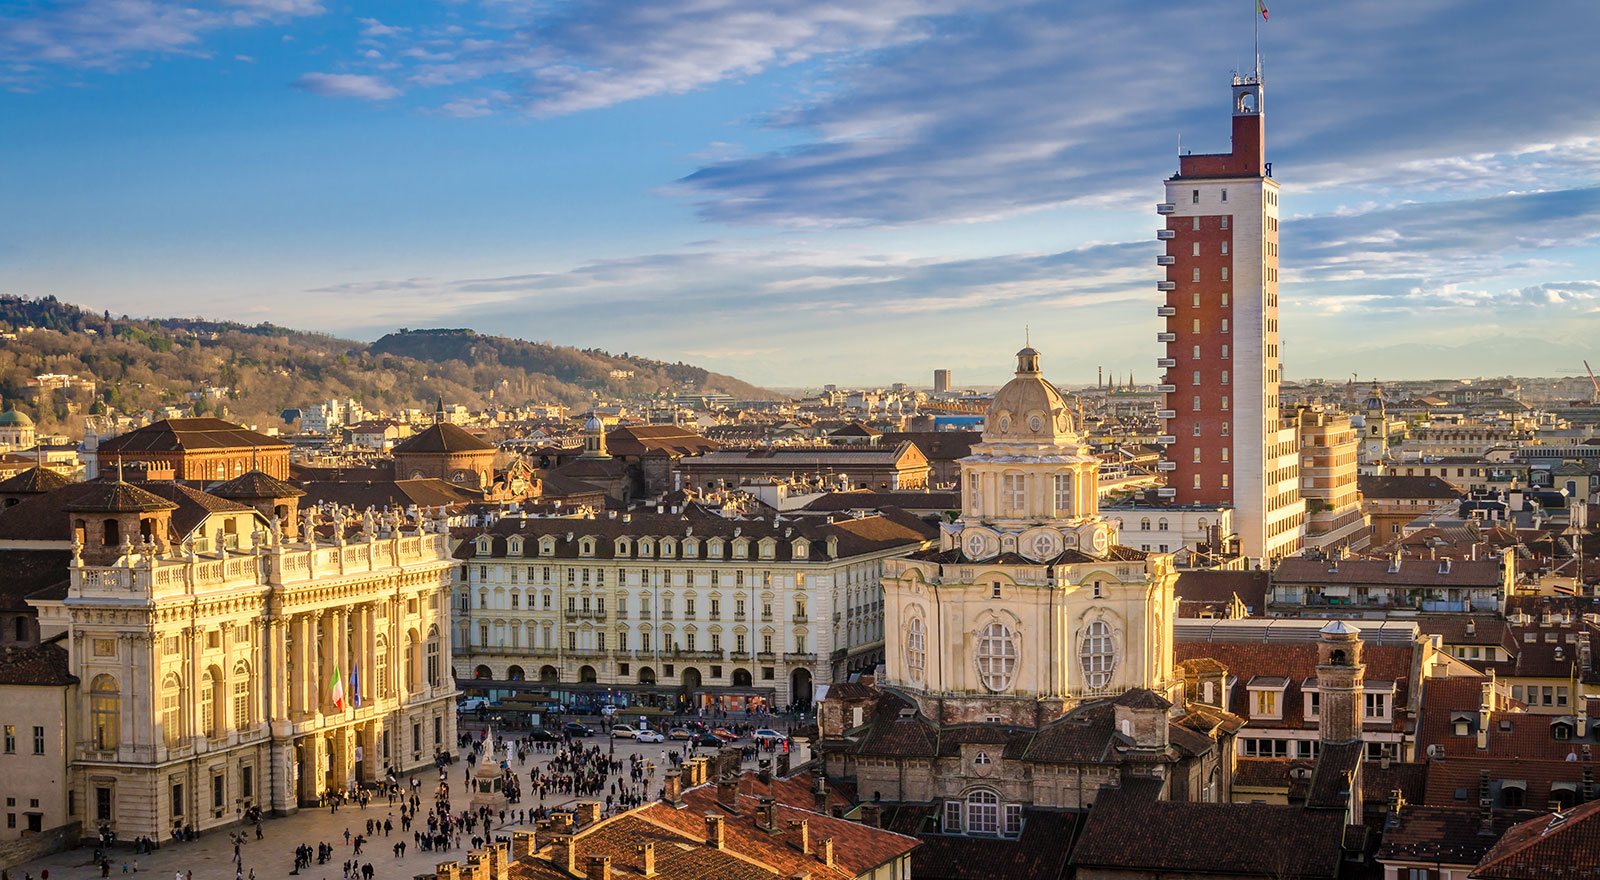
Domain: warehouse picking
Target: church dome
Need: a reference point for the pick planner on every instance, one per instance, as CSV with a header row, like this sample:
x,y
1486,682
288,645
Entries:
x,y
13,419
1028,409
593,423
1374,402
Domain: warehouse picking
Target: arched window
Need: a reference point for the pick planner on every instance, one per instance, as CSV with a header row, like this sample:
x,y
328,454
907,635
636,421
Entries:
x,y
433,657
172,710
210,720
241,697
1161,524
413,661
916,649
997,656
1098,655
1144,524
105,711
983,812
111,534
380,668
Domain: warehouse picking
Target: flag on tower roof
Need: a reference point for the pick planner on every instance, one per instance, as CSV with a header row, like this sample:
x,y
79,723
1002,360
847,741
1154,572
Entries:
x,y
1261,6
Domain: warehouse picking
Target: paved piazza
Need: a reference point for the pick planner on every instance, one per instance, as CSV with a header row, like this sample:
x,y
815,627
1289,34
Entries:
x,y
211,856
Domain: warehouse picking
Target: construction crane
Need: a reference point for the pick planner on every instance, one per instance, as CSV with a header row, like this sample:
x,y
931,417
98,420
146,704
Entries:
x,y
1594,396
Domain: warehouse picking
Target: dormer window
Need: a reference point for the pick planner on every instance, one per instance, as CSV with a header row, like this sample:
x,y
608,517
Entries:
x,y
586,548
1267,696
800,549
982,759
714,548
623,547
647,548
1312,699
691,548
547,546
485,545
769,548
514,545
741,548
668,548
1377,707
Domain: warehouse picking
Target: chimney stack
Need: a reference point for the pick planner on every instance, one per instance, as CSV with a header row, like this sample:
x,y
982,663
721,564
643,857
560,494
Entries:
x,y
804,827
827,852
1485,713
523,844
599,868
764,771
767,815
872,815
713,831
728,793
648,857
819,794
672,789
587,813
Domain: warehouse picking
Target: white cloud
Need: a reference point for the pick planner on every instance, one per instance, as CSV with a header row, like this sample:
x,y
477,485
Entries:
x,y
347,85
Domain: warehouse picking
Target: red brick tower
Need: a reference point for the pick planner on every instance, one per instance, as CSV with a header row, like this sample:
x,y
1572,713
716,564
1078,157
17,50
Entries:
x,y
1226,443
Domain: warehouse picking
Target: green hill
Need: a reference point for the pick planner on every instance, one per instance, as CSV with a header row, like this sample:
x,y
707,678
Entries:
x,y
140,364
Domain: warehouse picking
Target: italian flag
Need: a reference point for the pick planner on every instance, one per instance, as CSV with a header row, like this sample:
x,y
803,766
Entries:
x,y
1261,6
336,689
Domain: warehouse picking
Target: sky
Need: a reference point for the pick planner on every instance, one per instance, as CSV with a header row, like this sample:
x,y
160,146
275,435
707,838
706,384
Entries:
x,y
806,191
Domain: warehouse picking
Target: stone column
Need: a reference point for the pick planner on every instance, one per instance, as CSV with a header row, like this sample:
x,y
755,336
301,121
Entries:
x,y
276,672
327,649
369,654
356,632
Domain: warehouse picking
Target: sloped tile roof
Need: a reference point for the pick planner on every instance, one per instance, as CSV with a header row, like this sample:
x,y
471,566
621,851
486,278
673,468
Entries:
x,y
42,665
442,438
33,481
180,435
256,484
1565,847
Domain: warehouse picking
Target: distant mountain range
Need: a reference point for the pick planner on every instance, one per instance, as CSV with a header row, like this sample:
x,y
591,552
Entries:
x,y
253,373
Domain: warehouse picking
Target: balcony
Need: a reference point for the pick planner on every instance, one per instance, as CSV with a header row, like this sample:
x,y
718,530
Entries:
x,y
1166,414
799,618
800,657
1166,389
1165,208
1165,259
1166,337
1166,234
1166,492
1166,311
1166,363
1166,285
1167,466
1167,439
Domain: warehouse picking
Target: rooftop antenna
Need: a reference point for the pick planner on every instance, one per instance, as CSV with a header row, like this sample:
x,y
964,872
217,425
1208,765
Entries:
x,y
1258,18
119,468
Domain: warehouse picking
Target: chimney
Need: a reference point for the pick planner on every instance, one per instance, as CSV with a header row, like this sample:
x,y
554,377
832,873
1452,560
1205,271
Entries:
x,y
728,793
500,861
447,871
672,789
826,855
1485,707
1485,806
767,815
569,854
804,827
523,844
647,855
872,815
1472,627
764,771
599,868
587,814
819,795
713,831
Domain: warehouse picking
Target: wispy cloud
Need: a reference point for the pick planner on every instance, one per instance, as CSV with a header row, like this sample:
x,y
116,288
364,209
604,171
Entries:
x,y
347,85
110,34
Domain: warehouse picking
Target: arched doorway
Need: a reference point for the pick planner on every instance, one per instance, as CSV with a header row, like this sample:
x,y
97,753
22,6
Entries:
x,y
741,678
482,672
515,673
800,687
587,675
647,675
549,675
690,684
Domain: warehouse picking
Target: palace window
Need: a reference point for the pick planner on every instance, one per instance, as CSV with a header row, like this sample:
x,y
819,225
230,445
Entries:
x,y
171,711
1015,492
983,812
1097,654
916,649
241,697
997,656
105,711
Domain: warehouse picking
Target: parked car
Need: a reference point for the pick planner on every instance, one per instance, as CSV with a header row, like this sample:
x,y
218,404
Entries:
x,y
706,739
767,734
573,728
650,736
680,733
724,734
624,731
539,734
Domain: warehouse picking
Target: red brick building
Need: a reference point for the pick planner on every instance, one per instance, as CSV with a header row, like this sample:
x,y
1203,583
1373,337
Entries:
x,y
1226,441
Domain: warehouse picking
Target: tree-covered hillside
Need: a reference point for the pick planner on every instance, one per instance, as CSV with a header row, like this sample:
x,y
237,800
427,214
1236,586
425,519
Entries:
x,y
258,371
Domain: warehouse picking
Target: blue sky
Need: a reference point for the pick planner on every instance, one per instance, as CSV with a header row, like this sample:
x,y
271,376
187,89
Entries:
x,y
804,192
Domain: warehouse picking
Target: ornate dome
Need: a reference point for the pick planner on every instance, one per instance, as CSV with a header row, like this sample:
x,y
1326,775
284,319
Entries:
x,y
12,418
1374,402
1029,409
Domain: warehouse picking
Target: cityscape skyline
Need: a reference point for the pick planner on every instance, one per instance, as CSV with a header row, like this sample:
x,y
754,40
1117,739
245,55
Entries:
x,y
957,170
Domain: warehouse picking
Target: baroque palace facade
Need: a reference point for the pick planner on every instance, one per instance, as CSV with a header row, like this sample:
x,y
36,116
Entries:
x,y
1029,656
683,608
302,655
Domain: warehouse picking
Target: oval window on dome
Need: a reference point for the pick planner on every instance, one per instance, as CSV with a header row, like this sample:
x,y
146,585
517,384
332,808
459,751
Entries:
x,y
1005,423
997,656
1036,423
